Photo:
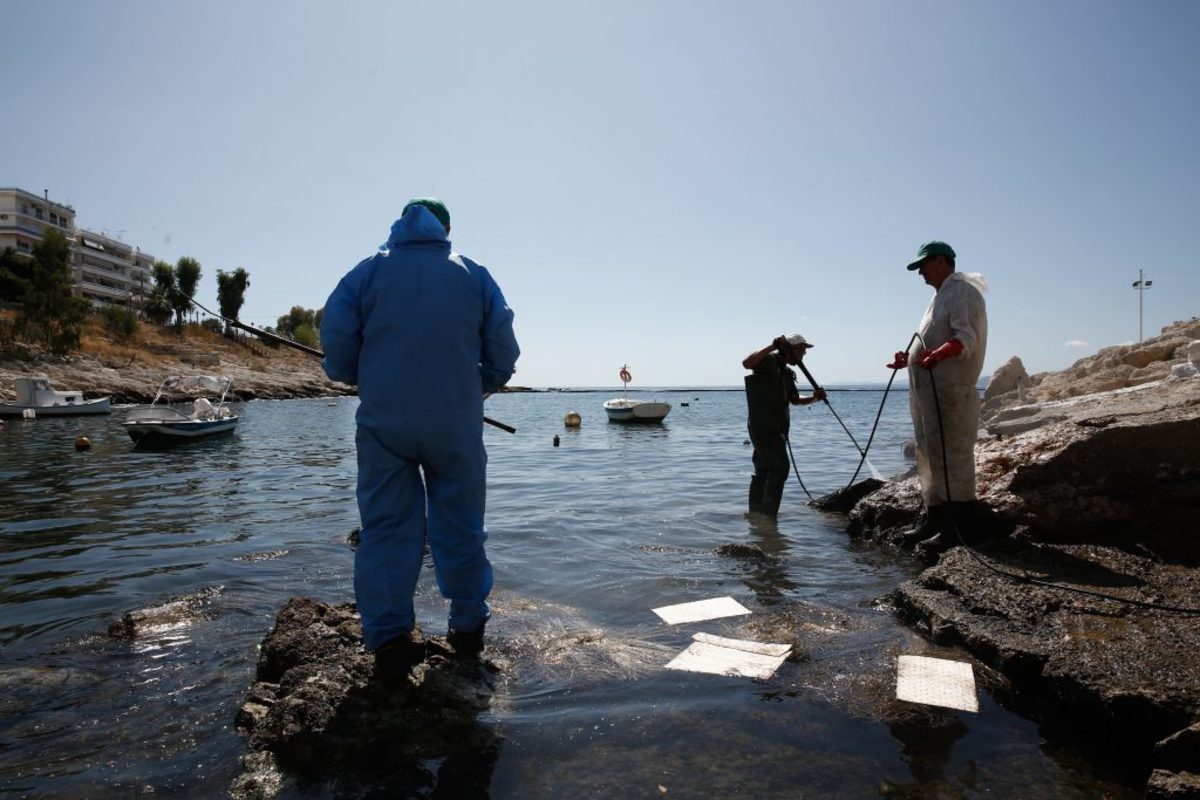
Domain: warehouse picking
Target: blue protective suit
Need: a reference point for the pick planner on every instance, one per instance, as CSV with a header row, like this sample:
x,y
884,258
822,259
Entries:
x,y
424,333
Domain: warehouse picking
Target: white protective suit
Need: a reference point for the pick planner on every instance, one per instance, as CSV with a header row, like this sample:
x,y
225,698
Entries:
x,y
957,311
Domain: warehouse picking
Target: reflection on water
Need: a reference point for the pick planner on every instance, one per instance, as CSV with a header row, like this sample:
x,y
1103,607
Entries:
x,y
585,537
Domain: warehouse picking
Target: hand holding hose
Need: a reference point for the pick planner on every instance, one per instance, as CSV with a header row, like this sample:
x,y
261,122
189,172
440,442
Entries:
x,y
929,358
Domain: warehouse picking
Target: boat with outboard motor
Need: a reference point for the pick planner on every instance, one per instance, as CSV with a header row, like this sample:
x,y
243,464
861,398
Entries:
x,y
622,409
162,422
36,398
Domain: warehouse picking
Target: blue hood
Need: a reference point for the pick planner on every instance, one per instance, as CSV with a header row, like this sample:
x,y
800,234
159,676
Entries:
x,y
418,225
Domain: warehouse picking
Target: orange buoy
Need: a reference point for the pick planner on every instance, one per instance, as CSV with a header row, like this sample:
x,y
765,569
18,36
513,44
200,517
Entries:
x,y
83,443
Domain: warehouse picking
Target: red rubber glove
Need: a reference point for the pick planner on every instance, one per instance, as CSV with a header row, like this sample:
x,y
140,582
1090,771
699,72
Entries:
x,y
900,361
929,358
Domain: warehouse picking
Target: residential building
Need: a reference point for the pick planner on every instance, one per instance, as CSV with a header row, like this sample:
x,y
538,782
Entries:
x,y
24,218
104,269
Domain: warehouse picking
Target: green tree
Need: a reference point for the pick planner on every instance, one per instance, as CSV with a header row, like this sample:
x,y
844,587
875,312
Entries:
x,y
231,292
306,335
49,311
14,276
288,324
187,277
158,306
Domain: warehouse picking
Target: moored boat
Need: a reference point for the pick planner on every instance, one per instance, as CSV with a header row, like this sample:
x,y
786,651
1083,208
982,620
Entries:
x,y
623,409
34,394
161,422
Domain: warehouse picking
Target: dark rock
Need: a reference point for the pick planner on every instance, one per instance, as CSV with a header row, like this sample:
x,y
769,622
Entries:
x,y
318,713
176,612
1072,655
1165,785
1180,751
738,550
844,499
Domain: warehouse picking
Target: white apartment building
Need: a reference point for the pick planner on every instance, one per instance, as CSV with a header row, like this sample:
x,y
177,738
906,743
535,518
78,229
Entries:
x,y
104,269
24,218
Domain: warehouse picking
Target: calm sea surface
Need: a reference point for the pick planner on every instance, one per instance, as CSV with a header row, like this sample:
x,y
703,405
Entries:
x,y
586,539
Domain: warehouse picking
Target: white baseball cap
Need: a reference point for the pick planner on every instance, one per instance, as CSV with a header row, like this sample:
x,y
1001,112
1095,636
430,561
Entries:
x,y
795,339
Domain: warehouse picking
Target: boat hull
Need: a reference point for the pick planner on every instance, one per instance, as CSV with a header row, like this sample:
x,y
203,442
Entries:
x,y
636,411
102,405
149,430
35,394
166,424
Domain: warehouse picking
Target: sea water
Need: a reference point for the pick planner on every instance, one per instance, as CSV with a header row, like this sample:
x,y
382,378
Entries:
x,y
586,538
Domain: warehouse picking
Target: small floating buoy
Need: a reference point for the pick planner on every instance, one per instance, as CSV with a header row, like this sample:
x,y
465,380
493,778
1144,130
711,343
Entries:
x,y
572,420
556,440
683,404
29,413
83,443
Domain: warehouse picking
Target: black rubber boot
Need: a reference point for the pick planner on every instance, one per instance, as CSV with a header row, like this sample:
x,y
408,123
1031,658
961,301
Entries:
x,y
933,524
466,644
977,522
397,657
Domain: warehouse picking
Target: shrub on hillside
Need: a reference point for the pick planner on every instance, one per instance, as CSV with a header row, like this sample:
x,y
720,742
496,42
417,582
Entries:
x,y
120,322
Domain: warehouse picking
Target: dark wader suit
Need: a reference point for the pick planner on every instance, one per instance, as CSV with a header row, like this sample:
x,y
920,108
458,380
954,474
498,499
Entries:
x,y
769,389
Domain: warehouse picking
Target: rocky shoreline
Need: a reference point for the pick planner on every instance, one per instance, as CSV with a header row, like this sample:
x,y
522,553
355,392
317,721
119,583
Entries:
x,y
1081,584
133,376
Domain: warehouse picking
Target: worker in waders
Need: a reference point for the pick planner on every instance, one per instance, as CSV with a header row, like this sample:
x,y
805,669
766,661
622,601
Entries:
x,y
770,391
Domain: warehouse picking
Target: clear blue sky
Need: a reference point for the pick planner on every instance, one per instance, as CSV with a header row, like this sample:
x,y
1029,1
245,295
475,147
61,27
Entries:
x,y
664,184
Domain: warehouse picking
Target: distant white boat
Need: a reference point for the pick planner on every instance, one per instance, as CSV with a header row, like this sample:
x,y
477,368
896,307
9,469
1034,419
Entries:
x,y
34,393
623,409
164,423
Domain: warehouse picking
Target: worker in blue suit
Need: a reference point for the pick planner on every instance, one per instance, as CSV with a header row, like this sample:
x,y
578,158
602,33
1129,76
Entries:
x,y
426,335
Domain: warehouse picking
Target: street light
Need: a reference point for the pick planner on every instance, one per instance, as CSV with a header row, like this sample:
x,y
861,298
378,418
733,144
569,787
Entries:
x,y
1141,285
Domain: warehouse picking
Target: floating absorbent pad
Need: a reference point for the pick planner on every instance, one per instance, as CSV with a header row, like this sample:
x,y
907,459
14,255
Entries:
x,y
936,682
717,655
701,610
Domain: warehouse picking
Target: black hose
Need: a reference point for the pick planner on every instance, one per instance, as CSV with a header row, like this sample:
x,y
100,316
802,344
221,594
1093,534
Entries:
x,y
796,469
878,414
813,381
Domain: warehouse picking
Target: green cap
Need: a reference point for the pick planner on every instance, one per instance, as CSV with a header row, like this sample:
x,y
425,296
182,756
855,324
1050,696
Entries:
x,y
433,204
930,249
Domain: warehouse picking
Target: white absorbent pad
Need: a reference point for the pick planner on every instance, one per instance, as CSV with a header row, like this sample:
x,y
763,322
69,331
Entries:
x,y
936,682
701,610
717,655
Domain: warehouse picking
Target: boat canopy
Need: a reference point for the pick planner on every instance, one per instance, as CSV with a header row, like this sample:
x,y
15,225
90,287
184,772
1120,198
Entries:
x,y
193,384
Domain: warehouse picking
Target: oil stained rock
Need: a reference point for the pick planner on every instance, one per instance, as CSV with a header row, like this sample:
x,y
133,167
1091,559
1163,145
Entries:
x,y
176,612
317,714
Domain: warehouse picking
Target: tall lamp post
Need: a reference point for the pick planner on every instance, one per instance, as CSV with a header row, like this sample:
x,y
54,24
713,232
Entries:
x,y
1141,284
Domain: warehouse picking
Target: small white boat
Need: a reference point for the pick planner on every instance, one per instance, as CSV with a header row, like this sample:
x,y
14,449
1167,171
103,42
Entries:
x,y
622,409
34,394
161,422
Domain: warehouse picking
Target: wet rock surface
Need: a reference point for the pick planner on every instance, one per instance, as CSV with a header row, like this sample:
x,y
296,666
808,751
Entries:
x,y
1096,491
176,612
319,719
